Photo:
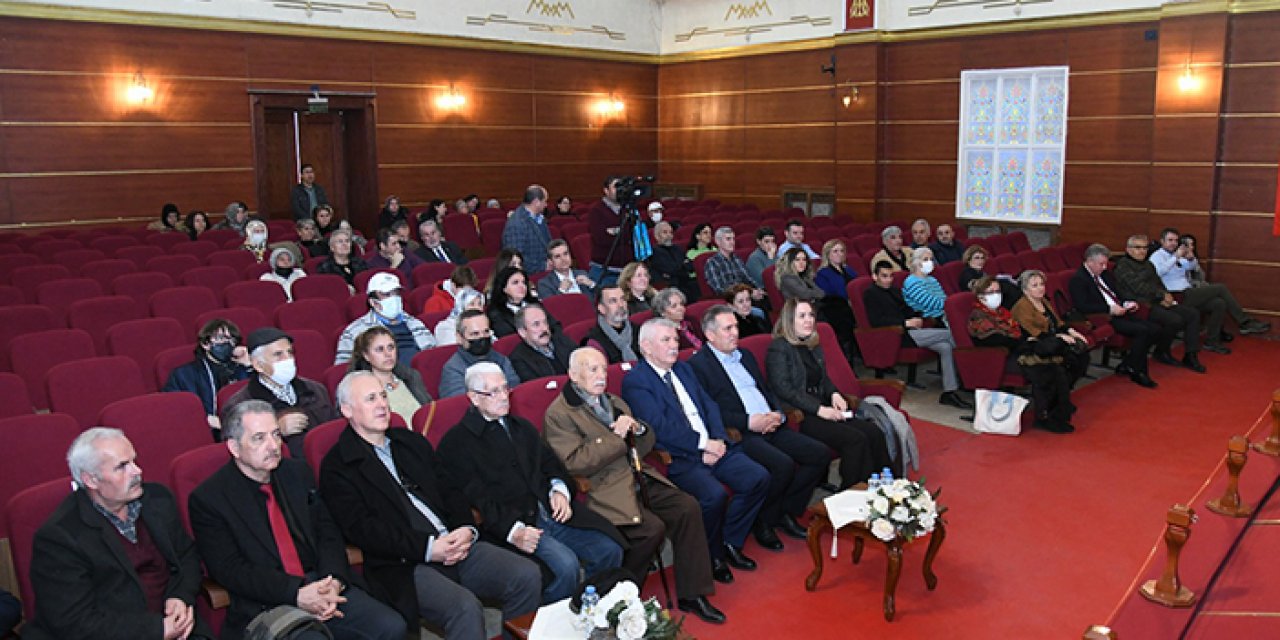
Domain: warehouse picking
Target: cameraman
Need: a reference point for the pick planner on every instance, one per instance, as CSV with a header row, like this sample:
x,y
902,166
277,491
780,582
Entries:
x,y
605,222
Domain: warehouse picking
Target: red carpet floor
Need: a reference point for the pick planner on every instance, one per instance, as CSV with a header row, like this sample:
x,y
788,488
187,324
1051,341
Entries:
x,y
1046,533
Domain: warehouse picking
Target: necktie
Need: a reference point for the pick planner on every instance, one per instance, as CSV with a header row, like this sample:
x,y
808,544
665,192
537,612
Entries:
x,y
1107,290
666,377
280,531
440,254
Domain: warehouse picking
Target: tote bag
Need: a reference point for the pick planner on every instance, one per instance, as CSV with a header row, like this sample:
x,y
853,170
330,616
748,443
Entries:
x,y
998,412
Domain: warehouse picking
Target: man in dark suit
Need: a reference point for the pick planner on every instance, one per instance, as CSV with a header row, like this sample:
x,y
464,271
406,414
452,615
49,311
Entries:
x,y
113,561
435,248
542,352
268,539
1093,292
306,195
795,462
422,551
519,486
563,278
666,395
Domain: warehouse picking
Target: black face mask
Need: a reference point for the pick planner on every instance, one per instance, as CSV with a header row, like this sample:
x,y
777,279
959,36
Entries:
x,y
479,347
221,351
284,272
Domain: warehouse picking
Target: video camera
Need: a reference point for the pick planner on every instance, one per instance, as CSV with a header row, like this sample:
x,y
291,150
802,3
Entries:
x,y
632,188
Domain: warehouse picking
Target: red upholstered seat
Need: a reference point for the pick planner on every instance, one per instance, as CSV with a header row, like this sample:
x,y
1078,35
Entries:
x,y
174,265
214,278
141,340
881,347
491,235
34,354
313,352
461,229
258,294
184,304
139,254
570,308
482,267
14,400
140,286
200,249
188,470
437,418
98,314
700,268
111,244
237,259
531,398
22,319
73,259
26,512
34,451
169,359
30,277
1018,241
322,286
319,314
81,388
319,440
430,272
104,271
429,364
160,425
979,367
166,240
59,294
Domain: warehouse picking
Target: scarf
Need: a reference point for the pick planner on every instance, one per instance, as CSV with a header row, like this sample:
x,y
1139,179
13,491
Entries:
x,y
984,322
620,339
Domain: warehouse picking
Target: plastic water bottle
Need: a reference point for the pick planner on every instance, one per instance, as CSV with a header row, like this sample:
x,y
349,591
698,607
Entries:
x,y
886,476
590,600
874,482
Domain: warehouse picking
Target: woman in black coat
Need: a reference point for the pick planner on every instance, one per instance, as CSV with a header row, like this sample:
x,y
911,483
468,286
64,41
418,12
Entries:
x,y
511,293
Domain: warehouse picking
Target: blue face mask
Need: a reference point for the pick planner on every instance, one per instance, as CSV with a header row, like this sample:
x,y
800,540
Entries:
x,y
222,351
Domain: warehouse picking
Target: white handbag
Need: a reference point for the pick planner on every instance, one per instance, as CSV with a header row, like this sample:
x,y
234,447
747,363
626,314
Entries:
x,y
998,412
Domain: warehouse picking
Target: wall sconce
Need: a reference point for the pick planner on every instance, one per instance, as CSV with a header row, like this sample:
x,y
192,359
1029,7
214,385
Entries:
x,y
451,100
850,97
138,91
1188,81
610,107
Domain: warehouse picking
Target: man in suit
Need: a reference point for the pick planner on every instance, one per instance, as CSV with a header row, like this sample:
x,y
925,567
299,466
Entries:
x,y
542,352
526,230
306,195
519,486
594,434
1093,292
666,395
422,551
113,560
563,277
268,539
220,360
435,248
795,462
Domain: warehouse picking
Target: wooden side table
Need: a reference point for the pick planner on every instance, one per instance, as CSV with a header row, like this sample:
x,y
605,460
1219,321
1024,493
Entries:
x,y
821,523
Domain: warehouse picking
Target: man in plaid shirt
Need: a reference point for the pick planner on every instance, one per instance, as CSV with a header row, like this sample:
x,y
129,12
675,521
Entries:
x,y
526,231
724,269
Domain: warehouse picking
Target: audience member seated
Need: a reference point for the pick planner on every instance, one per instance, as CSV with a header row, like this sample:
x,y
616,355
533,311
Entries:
x,y
920,234
637,287
386,308
310,239
299,403
795,239
793,277
270,543
170,220
10,614
473,203
461,207
522,490
113,560
724,269
1176,263
656,211
892,251
463,277
526,230
975,262
341,260
375,351
945,248
325,224
507,257
921,290
283,272
391,213
220,360
833,278
798,377
511,293
255,239
564,206
402,230
795,462
666,395
563,278
435,248
1093,292
542,351
235,216
1136,279
613,335
446,331
887,308
388,492
749,323
669,265
196,224
765,254
592,431
391,255
1055,355
475,345
670,304
358,239
701,242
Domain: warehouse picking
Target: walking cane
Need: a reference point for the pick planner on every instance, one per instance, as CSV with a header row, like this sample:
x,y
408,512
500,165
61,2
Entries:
x,y
637,471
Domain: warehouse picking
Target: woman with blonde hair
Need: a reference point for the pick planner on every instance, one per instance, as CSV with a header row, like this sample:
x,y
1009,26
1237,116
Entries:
x,y
375,351
634,282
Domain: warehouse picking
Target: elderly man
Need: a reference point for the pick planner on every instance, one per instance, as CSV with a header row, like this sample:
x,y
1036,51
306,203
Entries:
x,y
614,334
391,254
113,560
668,263
724,269
475,345
594,434
765,254
306,195
526,230
945,248
795,238
299,403
271,543
795,462
519,486
435,248
1136,279
386,308
542,352
892,251
919,233
563,277
1093,291
1175,262
666,395
422,553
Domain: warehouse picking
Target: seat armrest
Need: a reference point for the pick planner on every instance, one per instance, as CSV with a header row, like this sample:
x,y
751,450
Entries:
x,y
355,556
215,593
733,434
889,389
584,485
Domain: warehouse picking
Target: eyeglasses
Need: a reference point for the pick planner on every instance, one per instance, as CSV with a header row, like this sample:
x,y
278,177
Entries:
x,y
500,391
1138,246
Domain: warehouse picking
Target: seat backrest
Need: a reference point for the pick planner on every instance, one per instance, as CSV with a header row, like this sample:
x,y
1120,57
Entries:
x,y
190,469
999,245
143,339
236,259
322,285
14,400
580,246
110,244
34,354
430,272
482,267
166,240
435,419
34,451
139,254
318,314
104,271
838,368
245,318
97,315
199,248
1018,241
531,398
160,425
314,352
758,346
30,277
59,294
81,388
183,304
430,362
21,319
27,511
700,269
258,294
856,289
569,308
319,440
1031,260
957,309
617,371
506,344
491,235
948,276
461,229
1008,264
215,278
174,265
140,286
1052,260
73,259
579,330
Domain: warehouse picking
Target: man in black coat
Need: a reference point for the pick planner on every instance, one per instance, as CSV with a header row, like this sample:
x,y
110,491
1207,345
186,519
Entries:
x,y
795,462
113,560
542,351
520,488
435,248
268,539
306,195
421,548
1093,292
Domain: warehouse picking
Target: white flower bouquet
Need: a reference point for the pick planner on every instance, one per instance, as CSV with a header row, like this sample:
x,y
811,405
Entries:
x,y
622,615
903,508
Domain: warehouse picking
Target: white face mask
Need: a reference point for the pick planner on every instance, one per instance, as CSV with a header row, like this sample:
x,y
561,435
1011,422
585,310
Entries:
x,y
992,300
926,267
655,216
283,372
391,307
257,237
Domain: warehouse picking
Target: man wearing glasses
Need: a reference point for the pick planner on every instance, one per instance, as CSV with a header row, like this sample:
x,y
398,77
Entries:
x,y
521,488
475,345
1136,279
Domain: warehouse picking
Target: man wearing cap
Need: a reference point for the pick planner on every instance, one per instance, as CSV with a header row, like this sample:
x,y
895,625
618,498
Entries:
x,y
386,308
299,403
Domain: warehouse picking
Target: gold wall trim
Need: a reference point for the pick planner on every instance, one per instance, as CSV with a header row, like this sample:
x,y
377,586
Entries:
x,y
73,222
567,163
950,203
1179,212
1249,165
1139,116
1110,163
1252,65
505,127
1248,263
925,81
917,162
1103,207
857,200
740,161
125,172
732,127
1253,114
748,92
1206,114
1243,214
858,162
743,196
1198,165
857,123
911,122
1095,72
127,125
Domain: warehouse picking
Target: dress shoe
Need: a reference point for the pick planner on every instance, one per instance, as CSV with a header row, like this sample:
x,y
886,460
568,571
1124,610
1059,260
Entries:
x,y
720,572
1143,380
1123,369
702,608
737,559
1253,326
1216,348
1164,357
1053,426
953,399
1192,362
1226,336
765,537
788,526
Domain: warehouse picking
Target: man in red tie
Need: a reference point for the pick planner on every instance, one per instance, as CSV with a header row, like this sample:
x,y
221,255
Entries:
x,y
267,538
1093,292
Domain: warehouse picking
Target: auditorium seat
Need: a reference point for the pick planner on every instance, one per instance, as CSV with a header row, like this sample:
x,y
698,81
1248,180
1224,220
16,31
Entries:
x,y
1052,260
491,235
141,340
73,259
578,331
979,367
220,236
1018,241
81,388
258,294
640,317
332,376
506,344
431,272
190,469
1031,260
214,278
948,275
98,314
26,512
59,294
169,359
140,286
254,271
11,261
166,240
104,271
139,254
618,371
530,399
225,393
34,451
245,318
34,354
319,314
14,400
482,267
183,304
1007,264
435,419
429,364
30,277
200,249
237,259
10,296
322,286
20,319
461,230
881,347
49,246
570,308
113,243
174,265
700,272
160,425
314,352
318,440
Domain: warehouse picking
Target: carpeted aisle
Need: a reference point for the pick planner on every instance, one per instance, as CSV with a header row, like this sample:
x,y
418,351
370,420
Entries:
x,y
1046,533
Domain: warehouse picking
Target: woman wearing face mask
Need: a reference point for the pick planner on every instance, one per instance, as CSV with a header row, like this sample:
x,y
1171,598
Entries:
x,y
511,293
283,272
219,361
255,239
921,290
465,299
375,350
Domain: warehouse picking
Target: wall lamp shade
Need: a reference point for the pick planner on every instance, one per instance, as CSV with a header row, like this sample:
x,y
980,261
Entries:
x,y
1189,82
139,92
451,100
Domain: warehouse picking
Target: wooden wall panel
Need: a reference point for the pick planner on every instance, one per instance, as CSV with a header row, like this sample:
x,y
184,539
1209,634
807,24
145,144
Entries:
x,y
1109,140
1111,47
702,144
1246,188
100,98
1253,90
89,148
1253,285
1108,226
332,64
107,48
798,69
85,197
1182,187
712,76
918,181
921,141
857,142
931,101
398,105
442,145
1253,37
803,143
1034,49
1106,185
466,69
925,60
805,105
1251,139
1245,238
1189,139
701,111
1112,94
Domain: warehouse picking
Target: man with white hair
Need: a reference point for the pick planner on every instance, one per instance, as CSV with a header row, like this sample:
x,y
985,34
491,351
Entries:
x,y
892,251
666,395
386,308
435,248
724,269
422,552
919,233
113,559
520,488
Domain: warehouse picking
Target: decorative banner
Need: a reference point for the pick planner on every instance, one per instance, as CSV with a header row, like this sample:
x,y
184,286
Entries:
x,y
859,15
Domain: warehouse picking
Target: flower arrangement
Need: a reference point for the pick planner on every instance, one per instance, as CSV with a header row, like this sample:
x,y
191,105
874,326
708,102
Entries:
x,y
622,615
903,508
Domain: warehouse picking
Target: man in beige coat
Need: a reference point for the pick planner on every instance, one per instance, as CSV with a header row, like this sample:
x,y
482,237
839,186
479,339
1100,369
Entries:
x,y
588,428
